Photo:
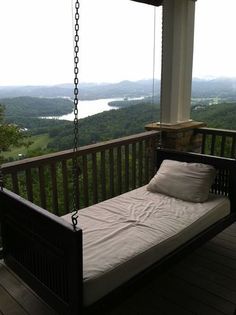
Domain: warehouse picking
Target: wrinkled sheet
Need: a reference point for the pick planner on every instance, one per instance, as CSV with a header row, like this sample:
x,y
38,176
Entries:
x,y
124,235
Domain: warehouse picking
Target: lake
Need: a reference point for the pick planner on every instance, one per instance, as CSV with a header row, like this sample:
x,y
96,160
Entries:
x,y
88,108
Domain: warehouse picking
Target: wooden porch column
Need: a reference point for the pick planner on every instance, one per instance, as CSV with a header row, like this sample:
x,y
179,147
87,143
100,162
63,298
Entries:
x,y
178,36
176,78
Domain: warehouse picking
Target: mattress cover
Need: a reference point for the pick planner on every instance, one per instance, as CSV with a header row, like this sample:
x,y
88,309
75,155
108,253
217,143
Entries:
x,y
124,235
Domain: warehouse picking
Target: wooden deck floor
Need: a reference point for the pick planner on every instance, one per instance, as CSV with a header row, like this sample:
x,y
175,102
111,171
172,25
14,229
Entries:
x,y
202,283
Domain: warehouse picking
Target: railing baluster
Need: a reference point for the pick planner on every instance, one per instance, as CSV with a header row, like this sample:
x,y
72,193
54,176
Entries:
x,y
133,165
42,187
153,146
213,141
29,186
54,189
95,179
127,167
103,175
85,180
78,189
203,143
119,180
15,183
233,147
146,168
140,164
222,147
65,186
111,169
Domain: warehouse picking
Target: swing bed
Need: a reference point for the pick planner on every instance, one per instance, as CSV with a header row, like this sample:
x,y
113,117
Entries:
x,y
115,247
47,252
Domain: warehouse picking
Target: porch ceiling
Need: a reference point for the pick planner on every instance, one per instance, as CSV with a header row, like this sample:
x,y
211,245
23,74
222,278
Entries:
x,y
156,3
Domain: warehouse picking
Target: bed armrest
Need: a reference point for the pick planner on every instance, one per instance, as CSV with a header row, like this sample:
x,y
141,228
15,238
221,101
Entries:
x,y
44,250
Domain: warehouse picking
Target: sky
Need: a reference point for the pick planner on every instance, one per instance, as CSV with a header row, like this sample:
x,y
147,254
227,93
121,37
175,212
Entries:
x,y
116,41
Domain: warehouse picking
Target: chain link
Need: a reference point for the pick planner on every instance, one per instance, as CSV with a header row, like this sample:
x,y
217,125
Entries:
x,y
76,170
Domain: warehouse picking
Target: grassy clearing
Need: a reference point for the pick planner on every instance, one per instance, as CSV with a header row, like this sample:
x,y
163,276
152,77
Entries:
x,y
38,142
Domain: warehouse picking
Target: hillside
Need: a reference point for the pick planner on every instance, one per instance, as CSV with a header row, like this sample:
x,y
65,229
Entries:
x,y
131,120
116,123
104,126
217,116
224,88
26,106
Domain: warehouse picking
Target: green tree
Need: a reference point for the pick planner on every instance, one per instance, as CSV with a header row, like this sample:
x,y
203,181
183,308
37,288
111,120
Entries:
x,y
10,134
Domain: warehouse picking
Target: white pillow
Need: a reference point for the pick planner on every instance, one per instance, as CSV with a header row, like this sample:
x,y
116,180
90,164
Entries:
x,y
186,181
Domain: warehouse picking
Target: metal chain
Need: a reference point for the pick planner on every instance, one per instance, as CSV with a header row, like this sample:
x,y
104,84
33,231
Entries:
x,y
76,171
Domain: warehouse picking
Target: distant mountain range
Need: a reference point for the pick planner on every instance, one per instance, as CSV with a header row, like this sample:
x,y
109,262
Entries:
x,y
224,88
87,91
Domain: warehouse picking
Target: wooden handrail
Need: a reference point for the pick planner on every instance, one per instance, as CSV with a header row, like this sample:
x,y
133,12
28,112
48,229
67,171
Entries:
x,y
214,131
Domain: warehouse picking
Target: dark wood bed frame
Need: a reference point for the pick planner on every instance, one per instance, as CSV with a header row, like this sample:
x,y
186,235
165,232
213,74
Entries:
x,y
46,252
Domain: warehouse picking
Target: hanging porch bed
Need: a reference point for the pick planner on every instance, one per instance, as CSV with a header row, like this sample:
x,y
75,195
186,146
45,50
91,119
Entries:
x,y
119,244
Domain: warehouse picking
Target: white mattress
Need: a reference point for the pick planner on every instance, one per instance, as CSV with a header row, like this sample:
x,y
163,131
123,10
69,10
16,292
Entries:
x,y
124,235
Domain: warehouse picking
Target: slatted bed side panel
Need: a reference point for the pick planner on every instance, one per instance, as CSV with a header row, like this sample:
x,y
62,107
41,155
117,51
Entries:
x,y
221,185
44,251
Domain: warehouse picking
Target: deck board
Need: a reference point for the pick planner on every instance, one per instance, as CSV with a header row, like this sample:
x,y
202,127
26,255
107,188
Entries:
x,y
179,294
202,295
19,296
203,283
214,256
226,251
8,305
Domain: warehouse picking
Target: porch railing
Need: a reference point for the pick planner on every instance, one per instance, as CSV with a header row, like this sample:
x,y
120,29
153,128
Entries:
x,y
107,169
218,142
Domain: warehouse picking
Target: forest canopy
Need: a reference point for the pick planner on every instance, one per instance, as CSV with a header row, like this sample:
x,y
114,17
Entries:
x,y
10,134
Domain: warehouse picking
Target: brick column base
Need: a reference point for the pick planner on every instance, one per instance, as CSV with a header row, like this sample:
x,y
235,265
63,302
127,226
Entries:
x,y
181,137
